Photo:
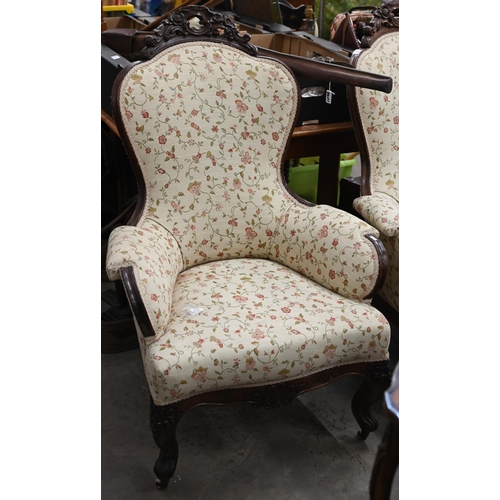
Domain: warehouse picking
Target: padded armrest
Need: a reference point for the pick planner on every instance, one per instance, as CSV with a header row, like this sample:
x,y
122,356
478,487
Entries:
x,y
329,246
156,258
381,211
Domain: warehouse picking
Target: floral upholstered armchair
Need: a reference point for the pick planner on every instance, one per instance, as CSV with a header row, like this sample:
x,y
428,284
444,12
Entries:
x,y
375,116
240,292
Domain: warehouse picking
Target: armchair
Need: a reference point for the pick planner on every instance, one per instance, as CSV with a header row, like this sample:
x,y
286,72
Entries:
x,y
375,116
240,291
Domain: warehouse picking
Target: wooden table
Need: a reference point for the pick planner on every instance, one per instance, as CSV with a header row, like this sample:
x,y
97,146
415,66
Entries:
x,y
328,141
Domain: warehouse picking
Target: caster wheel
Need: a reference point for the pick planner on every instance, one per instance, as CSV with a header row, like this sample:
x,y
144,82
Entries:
x,y
161,485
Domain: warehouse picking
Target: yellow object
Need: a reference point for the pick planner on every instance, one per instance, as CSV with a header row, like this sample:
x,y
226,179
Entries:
x,y
129,8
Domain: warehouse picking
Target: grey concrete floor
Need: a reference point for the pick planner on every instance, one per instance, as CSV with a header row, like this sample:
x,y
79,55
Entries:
x,y
306,450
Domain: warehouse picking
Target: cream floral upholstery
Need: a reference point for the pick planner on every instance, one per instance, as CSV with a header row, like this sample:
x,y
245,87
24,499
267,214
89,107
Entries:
x,y
243,284
379,117
239,291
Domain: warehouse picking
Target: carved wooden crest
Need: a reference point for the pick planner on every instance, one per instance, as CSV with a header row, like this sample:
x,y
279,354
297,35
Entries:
x,y
384,16
194,23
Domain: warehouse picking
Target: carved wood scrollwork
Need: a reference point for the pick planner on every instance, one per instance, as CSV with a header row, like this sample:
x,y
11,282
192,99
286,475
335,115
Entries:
x,y
275,395
384,16
188,24
379,372
163,417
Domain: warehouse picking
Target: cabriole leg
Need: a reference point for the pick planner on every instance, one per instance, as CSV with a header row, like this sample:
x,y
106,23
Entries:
x,y
164,420
372,389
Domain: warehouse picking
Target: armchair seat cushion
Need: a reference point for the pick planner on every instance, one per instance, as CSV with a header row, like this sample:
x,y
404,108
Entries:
x,y
251,322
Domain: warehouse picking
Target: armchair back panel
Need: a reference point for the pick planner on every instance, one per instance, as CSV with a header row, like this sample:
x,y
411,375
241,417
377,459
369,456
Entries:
x,y
209,135
379,115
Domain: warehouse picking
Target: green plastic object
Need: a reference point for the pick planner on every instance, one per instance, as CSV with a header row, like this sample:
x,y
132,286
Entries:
x,y
304,177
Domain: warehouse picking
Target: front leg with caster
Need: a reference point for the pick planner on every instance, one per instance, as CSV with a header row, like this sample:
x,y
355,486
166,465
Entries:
x,y
164,420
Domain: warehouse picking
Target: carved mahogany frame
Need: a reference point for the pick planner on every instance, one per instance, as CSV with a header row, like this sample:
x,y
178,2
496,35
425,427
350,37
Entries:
x,y
176,28
164,419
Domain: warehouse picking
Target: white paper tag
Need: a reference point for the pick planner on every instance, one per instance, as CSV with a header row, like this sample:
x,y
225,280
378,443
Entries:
x,y
329,94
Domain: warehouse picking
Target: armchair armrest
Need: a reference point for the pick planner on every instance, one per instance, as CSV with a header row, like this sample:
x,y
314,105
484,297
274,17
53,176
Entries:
x,y
156,260
332,247
380,211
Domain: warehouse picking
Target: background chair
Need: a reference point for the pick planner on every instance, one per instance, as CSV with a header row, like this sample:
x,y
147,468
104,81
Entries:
x,y
240,292
375,116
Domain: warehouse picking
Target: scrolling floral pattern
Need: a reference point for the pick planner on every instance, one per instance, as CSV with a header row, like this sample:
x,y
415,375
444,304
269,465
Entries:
x,y
380,117
221,236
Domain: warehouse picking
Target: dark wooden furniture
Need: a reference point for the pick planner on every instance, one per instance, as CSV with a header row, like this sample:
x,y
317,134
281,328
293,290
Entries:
x,y
176,29
387,459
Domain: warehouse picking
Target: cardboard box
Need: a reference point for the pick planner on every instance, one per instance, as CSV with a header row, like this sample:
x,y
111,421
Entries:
x,y
322,102
124,21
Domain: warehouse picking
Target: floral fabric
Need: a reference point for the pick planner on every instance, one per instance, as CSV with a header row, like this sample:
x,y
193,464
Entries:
x,y
220,239
381,211
380,115
157,261
251,322
380,118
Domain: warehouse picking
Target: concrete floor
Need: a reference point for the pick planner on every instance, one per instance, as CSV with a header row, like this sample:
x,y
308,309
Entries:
x,y
304,451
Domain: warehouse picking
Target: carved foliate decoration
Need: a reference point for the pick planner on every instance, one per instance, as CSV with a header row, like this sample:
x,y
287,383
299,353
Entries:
x,y
275,395
192,23
384,16
162,417
379,372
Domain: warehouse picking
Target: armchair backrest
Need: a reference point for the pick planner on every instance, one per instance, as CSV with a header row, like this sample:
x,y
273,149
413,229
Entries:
x,y
376,116
208,124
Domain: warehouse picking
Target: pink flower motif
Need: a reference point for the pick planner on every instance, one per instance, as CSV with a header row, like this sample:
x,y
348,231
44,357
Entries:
x,y
250,233
240,299
148,150
269,233
275,136
154,297
331,274
237,184
128,114
250,364
246,158
396,120
323,232
175,59
144,114
233,222
258,334
373,102
194,188
241,106
162,139
329,351
200,375
286,309
260,108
